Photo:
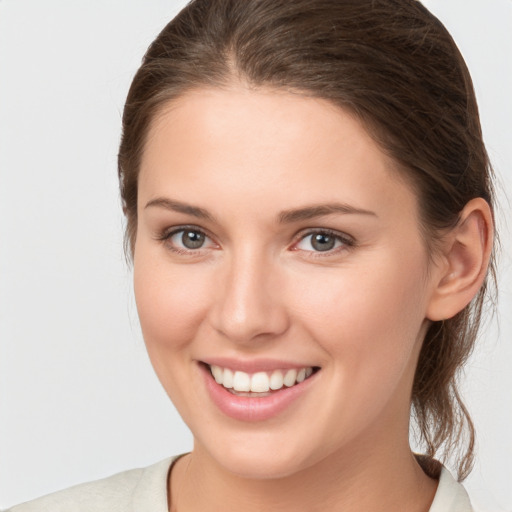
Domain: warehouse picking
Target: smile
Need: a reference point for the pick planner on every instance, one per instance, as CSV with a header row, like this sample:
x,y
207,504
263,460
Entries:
x,y
237,381
259,392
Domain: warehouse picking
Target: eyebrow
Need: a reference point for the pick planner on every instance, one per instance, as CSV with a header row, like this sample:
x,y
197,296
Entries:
x,y
178,206
284,217
311,212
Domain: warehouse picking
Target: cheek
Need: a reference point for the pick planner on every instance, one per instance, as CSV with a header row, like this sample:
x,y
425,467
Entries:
x,y
369,318
170,301
369,325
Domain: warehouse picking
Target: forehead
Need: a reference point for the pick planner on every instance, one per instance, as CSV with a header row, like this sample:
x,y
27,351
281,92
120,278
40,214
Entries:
x,y
263,144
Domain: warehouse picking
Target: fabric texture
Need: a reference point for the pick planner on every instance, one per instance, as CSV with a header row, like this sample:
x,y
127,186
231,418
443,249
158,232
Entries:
x,y
145,490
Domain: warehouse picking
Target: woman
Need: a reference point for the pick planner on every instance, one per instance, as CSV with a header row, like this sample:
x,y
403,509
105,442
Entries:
x,y
309,211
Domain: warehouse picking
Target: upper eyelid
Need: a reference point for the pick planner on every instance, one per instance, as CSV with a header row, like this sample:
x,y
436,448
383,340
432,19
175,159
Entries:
x,y
168,232
334,232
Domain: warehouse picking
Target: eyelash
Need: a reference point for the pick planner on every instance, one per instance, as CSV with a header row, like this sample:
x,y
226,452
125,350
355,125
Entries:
x,y
347,242
166,236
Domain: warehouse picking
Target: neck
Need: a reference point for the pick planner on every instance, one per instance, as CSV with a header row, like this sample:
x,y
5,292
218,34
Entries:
x,y
358,479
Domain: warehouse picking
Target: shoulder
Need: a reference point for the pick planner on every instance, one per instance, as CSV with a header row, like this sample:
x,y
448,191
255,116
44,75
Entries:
x,y
450,496
138,490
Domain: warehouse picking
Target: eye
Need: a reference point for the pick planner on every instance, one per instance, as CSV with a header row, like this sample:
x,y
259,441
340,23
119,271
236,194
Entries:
x,y
323,241
186,239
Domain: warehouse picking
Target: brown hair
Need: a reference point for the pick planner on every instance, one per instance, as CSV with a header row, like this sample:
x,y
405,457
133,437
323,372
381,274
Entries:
x,y
393,65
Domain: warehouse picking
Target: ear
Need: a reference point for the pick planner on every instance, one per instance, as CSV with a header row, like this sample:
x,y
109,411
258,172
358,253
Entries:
x,y
466,253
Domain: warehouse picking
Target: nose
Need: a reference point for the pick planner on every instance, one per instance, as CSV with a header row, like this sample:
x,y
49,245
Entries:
x,y
249,302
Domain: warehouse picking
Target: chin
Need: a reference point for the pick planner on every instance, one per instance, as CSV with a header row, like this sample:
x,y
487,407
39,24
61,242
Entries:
x,y
262,468
261,458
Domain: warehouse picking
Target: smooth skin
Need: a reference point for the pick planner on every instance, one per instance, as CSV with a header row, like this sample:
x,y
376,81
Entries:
x,y
245,171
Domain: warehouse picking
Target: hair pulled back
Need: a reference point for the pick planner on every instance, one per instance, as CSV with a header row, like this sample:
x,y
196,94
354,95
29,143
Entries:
x,y
392,64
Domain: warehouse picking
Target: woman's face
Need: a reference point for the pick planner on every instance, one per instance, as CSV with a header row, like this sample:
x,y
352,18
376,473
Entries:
x,y
276,242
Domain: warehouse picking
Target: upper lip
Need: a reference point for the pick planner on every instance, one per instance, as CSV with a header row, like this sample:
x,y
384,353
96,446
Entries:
x,y
254,365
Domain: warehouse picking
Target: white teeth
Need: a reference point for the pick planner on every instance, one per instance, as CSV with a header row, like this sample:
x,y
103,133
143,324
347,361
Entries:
x,y
259,382
276,380
241,381
290,378
228,378
218,374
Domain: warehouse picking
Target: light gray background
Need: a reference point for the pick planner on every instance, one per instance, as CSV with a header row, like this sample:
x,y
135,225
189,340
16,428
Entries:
x,y
78,396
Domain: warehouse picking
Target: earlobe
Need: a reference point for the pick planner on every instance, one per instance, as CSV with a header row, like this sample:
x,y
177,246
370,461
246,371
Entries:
x,y
466,255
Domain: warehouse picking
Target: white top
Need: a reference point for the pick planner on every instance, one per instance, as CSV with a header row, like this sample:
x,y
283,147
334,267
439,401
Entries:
x,y
145,490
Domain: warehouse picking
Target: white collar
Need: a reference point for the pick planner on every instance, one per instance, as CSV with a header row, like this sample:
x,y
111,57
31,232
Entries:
x,y
450,495
152,490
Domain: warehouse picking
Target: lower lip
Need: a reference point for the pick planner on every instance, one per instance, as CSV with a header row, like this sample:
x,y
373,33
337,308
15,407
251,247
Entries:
x,y
245,408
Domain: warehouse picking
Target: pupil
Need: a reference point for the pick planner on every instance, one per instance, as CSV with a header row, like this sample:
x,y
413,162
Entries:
x,y
192,239
322,242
